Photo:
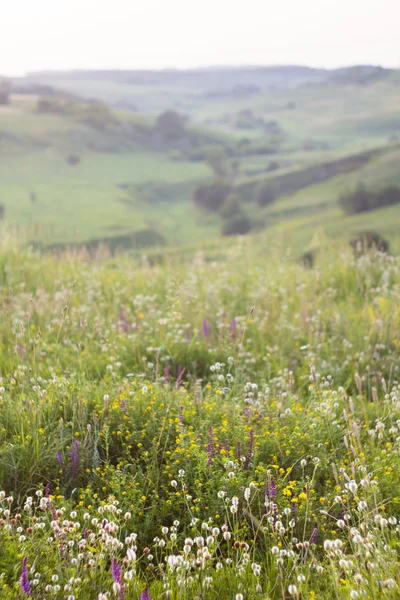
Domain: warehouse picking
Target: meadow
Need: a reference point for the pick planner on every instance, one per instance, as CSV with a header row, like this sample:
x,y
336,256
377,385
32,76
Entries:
x,y
130,185
224,425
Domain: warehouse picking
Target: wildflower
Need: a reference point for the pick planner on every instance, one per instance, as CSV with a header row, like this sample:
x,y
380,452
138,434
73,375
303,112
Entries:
x,y
314,535
24,581
292,589
116,572
145,594
250,451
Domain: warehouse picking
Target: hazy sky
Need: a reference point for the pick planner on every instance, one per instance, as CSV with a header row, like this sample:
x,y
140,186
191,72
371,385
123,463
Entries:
x,y
128,34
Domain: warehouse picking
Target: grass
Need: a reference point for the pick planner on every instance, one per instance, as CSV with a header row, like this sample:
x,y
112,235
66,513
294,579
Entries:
x,y
221,426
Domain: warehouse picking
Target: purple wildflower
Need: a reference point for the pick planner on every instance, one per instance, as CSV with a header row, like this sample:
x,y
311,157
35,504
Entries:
x,y
75,455
145,594
181,417
250,451
293,507
24,581
206,328
314,535
226,446
210,447
238,451
117,576
232,328
123,322
247,414
166,374
47,490
59,458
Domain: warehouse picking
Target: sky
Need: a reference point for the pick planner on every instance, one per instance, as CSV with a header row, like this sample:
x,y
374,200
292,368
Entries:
x,y
146,34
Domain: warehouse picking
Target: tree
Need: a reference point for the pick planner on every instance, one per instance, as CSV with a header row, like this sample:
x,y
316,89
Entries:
x,y
357,201
211,196
171,125
237,225
266,193
230,207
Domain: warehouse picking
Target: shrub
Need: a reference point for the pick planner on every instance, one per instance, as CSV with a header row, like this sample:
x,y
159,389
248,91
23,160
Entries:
x,y
370,239
73,159
236,225
212,196
362,200
171,125
265,194
230,207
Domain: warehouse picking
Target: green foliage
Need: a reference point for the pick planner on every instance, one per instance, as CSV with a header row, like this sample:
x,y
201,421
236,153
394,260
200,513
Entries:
x,y
266,193
237,224
230,207
362,199
212,196
213,428
171,125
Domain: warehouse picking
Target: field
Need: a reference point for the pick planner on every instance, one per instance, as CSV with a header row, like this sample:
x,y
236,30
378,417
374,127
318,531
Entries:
x,y
221,426
130,188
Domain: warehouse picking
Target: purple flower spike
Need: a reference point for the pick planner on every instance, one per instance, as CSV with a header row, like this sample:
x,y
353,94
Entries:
x,y
145,594
314,535
166,374
24,581
206,328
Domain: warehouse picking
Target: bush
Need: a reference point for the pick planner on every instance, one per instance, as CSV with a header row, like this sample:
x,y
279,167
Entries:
x,y
171,125
237,225
370,239
230,207
212,196
266,194
73,159
362,200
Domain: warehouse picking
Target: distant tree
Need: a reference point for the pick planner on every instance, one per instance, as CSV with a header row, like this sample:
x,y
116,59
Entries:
x,y
171,125
2,212
216,158
357,201
5,90
370,239
237,225
362,200
73,160
230,207
266,193
211,196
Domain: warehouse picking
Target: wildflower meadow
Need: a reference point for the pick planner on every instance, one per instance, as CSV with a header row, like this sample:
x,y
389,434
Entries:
x,y
208,427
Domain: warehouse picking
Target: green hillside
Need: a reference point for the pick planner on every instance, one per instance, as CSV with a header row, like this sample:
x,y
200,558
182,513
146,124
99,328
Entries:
x,y
74,171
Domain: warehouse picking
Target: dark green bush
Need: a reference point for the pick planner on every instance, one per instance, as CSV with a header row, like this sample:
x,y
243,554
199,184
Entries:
x,y
212,196
237,225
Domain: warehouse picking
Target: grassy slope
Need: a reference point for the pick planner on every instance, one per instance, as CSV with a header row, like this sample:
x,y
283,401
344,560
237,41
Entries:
x,y
84,409
83,202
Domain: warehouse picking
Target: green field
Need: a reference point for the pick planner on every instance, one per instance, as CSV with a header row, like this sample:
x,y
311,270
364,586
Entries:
x,y
222,426
129,184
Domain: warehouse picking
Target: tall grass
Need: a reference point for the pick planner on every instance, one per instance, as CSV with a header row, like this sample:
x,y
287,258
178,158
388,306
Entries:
x,y
200,429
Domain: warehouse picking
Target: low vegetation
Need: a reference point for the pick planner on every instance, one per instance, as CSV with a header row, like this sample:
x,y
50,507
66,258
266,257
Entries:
x,y
222,427
363,200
